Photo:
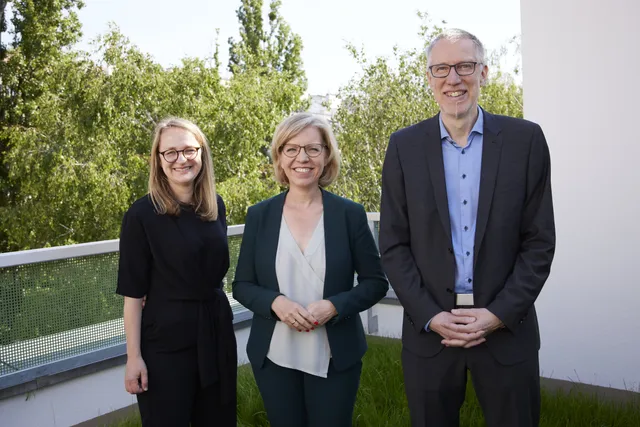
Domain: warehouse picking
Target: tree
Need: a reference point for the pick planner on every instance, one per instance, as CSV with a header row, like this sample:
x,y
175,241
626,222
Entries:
x,y
277,50
3,28
254,107
41,31
74,166
76,131
81,159
384,98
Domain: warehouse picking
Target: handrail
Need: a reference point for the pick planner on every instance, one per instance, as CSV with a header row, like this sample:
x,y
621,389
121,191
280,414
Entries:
x,y
32,256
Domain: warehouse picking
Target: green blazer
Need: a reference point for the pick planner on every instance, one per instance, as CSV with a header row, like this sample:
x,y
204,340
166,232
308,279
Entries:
x,y
350,249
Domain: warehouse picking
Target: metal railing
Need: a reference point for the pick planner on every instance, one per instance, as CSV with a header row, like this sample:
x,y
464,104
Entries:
x,y
59,309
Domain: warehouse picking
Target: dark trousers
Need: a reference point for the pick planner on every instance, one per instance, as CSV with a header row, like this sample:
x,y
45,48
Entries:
x,y
296,399
175,398
435,388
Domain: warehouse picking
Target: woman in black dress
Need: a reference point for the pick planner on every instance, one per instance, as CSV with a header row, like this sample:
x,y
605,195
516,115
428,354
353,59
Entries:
x,y
181,348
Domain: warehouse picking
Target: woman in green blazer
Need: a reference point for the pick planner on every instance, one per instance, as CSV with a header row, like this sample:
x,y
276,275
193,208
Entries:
x,y
299,254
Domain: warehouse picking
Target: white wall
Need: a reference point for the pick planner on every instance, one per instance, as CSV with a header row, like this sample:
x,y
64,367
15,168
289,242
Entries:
x,y
81,399
581,68
68,403
389,321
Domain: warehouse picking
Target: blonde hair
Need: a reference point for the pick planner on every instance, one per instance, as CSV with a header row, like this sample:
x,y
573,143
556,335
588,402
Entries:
x,y
204,189
289,129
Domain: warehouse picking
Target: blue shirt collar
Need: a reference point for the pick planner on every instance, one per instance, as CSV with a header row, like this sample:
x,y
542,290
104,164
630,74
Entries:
x,y
477,127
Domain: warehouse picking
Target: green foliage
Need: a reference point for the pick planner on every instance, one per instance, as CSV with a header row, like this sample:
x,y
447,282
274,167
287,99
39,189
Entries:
x,y
30,72
71,164
76,144
76,126
388,95
372,106
277,50
3,28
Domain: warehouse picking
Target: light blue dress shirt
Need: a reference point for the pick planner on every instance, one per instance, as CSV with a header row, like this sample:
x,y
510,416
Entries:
x,y
462,168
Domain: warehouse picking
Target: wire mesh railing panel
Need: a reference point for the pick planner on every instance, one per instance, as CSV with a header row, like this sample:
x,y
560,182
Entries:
x,y
56,309
59,308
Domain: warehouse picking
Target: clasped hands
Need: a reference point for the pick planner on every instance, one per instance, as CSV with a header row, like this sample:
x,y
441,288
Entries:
x,y
466,327
300,318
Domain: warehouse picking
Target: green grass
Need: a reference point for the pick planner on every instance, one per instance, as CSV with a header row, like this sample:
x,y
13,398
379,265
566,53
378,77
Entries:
x,y
381,400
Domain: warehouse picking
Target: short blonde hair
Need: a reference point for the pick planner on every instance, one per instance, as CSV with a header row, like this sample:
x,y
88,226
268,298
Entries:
x,y
204,190
289,129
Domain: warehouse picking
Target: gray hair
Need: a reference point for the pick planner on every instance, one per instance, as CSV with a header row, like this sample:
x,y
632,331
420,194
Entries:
x,y
453,35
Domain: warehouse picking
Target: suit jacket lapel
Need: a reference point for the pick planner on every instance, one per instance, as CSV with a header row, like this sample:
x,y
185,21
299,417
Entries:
x,y
272,237
491,149
433,149
334,236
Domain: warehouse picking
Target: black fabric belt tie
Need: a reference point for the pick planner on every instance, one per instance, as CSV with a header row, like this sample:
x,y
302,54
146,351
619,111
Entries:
x,y
217,348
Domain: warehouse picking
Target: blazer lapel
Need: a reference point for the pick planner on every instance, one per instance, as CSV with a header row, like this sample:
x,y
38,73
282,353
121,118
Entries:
x,y
433,149
271,238
334,239
491,149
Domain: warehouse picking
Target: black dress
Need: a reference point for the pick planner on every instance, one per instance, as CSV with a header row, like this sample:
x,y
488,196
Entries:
x,y
187,338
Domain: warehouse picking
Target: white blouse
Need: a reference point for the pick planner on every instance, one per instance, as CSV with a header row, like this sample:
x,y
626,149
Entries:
x,y
301,279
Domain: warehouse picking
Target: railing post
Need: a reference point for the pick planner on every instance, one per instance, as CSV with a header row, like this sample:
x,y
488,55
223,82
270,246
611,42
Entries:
x,y
372,318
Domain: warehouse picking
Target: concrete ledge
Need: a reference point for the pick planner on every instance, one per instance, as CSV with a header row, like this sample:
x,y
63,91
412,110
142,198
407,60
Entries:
x,y
30,380
112,418
390,301
602,393
33,379
242,319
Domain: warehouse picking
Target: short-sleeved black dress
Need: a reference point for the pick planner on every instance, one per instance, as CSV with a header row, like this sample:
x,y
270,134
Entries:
x,y
187,338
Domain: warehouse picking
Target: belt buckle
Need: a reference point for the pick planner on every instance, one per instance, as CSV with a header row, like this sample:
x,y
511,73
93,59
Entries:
x,y
464,300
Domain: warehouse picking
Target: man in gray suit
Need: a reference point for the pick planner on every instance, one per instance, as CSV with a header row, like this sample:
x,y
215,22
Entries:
x,y
467,238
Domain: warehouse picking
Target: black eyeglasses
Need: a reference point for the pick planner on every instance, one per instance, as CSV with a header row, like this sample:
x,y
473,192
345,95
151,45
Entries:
x,y
171,155
462,68
292,150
